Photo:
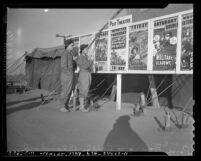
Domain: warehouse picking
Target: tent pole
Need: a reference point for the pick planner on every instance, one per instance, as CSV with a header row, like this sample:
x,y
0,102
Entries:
x,y
154,94
118,100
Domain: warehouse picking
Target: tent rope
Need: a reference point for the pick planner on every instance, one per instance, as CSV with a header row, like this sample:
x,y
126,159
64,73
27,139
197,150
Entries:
x,y
161,92
16,61
106,91
156,87
48,96
97,85
16,67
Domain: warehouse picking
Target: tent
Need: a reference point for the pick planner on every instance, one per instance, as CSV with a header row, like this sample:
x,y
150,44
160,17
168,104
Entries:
x,y
43,68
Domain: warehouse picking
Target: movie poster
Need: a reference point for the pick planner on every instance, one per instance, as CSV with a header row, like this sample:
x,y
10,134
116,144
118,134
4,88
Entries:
x,y
138,46
165,43
118,49
87,39
187,42
101,51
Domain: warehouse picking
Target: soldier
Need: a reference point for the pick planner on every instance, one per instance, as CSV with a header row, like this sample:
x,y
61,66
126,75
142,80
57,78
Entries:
x,y
84,79
67,75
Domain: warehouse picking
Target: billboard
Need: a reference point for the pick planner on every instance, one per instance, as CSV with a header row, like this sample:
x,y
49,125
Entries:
x,y
161,45
138,46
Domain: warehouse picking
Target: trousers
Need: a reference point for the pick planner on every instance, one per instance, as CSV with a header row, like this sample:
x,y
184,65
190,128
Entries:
x,y
67,80
84,82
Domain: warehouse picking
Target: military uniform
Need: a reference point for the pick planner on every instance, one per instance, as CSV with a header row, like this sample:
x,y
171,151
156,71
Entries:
x,y
84,79
67,77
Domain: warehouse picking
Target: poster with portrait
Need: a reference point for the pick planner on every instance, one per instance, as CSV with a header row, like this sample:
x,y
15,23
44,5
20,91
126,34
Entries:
x,y
165,43
187,42
118,50
138,46
87,39
101,51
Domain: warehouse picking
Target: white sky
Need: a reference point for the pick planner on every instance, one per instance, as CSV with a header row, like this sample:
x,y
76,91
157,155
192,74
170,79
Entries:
x,y
32,28
28,29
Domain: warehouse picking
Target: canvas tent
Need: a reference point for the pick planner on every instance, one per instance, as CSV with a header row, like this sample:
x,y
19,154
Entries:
x,y
43,68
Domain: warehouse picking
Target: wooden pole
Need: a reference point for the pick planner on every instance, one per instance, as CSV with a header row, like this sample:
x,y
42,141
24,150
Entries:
x,y
113,93
118,100
104,28
153,92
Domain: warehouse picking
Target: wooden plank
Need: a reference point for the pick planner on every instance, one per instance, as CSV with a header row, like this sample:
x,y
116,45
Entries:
x,y
113,93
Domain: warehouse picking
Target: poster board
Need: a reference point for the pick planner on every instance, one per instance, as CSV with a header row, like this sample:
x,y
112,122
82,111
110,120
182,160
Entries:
x,y
161,43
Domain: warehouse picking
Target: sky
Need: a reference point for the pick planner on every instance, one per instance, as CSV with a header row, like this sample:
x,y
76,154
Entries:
x,y
28,29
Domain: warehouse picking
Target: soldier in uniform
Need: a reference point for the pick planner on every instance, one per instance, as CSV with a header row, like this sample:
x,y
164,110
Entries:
x,y
67,75
84,79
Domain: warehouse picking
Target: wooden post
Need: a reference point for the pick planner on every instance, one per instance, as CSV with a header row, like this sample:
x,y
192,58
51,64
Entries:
x,y
113,93
153,92
118,100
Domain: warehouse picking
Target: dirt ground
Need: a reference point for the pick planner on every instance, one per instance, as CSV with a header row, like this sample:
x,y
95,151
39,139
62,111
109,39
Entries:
x,y
48,129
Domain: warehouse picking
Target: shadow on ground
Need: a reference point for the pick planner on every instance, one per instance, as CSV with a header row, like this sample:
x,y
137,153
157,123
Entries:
x,y
27,100
27,106
123,138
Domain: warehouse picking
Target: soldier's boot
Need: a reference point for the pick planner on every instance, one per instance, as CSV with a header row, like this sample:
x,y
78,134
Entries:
x,y
82,105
